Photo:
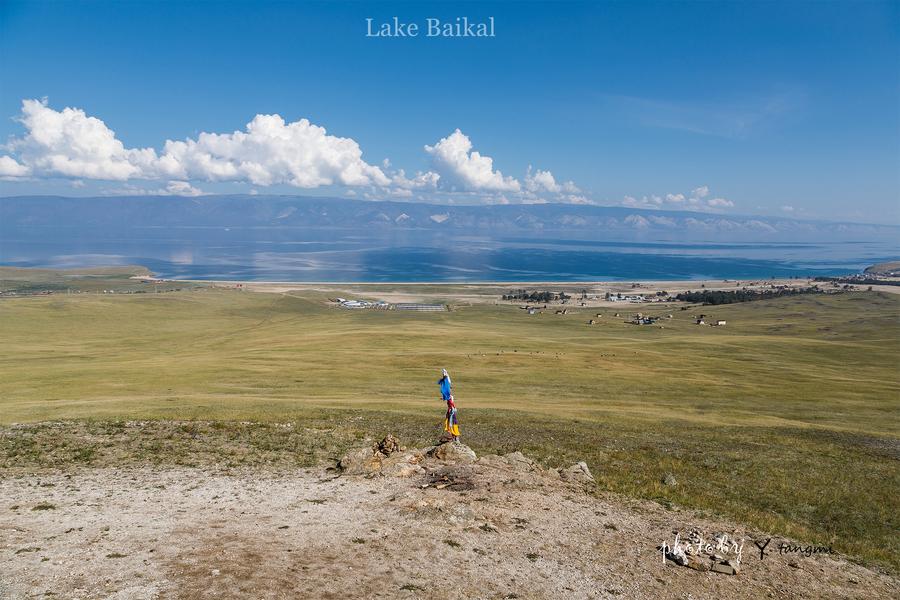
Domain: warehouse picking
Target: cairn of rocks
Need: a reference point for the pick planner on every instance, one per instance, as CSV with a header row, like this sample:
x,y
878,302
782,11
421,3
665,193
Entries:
x,y
388,445
389,458
695,555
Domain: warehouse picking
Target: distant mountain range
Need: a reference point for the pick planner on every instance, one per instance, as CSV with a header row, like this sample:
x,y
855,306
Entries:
x,y
25,214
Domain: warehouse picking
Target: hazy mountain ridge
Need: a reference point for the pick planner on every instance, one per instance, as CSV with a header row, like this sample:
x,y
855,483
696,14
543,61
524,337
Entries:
x,y
27,212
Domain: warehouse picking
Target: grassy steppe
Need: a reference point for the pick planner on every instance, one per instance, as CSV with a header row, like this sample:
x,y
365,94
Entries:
x,y
786,419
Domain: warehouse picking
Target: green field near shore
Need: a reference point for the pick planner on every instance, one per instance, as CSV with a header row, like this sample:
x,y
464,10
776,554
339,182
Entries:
x,y
785,419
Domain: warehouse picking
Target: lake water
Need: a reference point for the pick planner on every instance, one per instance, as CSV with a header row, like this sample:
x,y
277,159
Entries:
x,y
346,256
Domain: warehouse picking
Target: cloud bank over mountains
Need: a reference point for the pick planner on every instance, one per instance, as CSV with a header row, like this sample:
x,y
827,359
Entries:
x,y
270,151
697,200
103,216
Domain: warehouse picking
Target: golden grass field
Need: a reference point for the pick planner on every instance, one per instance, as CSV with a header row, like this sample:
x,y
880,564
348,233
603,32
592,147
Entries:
x,y
785,419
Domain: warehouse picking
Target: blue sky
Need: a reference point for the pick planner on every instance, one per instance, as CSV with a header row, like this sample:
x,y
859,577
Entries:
x,y
767,108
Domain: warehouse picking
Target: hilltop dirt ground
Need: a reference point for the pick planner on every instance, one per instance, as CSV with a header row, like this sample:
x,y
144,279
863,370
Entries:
x,y
499,527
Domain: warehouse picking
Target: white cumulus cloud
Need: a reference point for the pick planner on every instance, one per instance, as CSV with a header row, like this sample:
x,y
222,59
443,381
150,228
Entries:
x,y
719,203
268,151
697,200
419,181
70,143
540,181
182,188
173,188
10,168
462,168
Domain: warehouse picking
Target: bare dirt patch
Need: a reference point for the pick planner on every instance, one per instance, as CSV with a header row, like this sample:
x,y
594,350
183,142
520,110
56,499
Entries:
x,y
443,527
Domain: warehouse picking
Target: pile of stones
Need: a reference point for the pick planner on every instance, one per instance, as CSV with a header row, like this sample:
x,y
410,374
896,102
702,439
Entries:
x,y
696,554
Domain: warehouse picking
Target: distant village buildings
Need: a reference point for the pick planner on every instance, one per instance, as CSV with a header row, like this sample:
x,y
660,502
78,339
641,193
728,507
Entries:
x,y
365,304
611,297
640,319
701,320
421,307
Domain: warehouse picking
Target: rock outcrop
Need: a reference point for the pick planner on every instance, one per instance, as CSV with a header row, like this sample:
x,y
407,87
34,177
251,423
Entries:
x,y
453,465
403,464
452,452
578,472
360,462
520,462
386,455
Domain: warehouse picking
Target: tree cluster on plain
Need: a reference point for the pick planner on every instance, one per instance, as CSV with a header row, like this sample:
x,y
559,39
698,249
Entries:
x,y
535,296
715,297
